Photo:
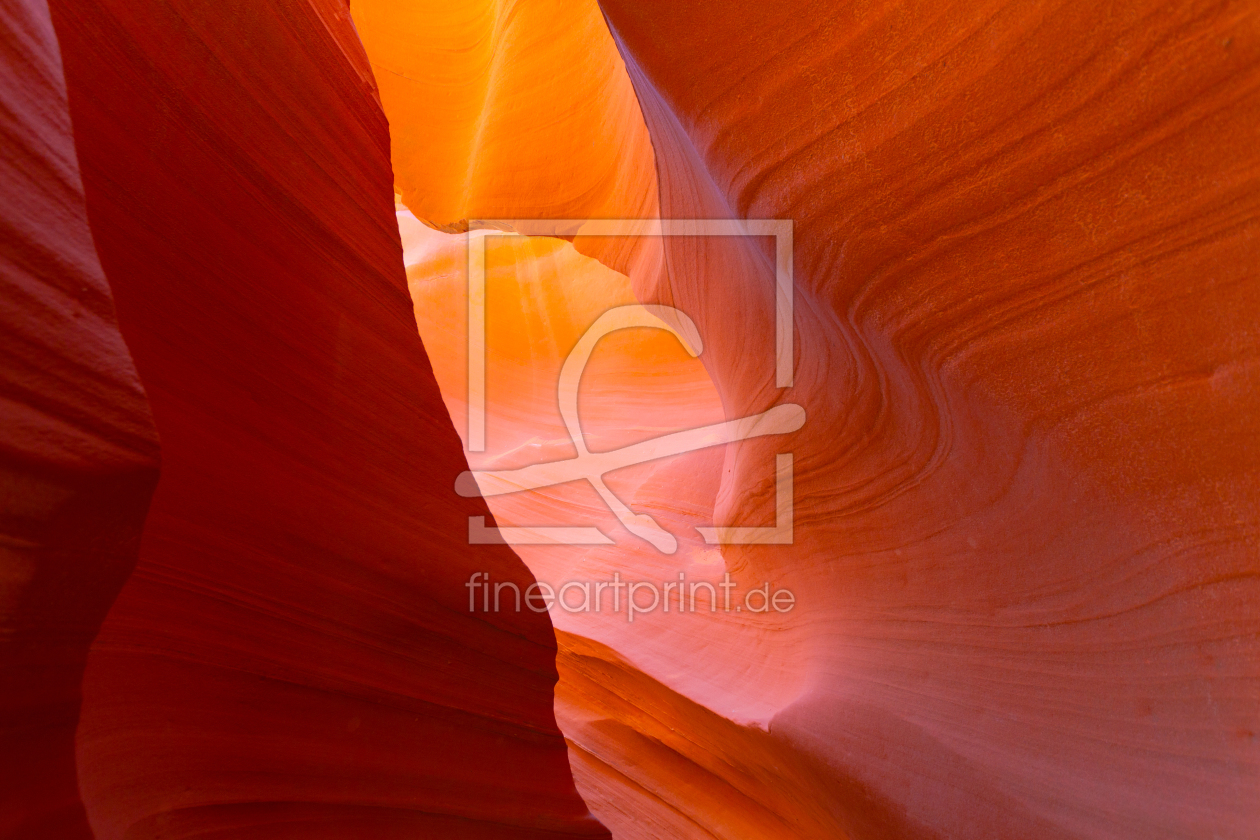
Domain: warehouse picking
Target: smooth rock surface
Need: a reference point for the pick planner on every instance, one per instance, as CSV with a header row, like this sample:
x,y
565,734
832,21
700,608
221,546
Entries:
x,y
1026,265
293,655
1026,536
78,451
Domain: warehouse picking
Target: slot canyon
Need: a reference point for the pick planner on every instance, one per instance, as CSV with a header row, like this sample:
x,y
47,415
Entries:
x,y
523,419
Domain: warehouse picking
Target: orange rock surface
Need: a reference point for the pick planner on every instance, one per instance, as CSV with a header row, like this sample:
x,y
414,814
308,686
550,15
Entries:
x,y
1025,547
1025,493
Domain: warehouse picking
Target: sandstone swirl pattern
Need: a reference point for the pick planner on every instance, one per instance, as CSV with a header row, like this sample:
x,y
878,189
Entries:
x,y
1026,254
1027,493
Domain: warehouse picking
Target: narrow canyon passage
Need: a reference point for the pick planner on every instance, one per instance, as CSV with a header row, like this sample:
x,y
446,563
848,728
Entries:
x,y
532,419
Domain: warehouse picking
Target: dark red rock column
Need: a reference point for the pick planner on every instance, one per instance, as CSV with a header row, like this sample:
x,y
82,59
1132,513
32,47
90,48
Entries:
x,y
294,655
78,452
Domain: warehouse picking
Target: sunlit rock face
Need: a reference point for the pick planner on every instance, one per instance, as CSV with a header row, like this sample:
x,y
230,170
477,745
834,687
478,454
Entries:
x,y
1025,545
1026,258
1025,478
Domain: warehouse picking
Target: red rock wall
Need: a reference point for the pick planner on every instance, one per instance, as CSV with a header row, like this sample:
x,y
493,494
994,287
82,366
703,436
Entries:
x,y
293,655
1026,537
1027,495
78,451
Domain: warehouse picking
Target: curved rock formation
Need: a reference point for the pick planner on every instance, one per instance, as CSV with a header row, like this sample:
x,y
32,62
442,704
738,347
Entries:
x,y
1026,493
487,123
78,452
1026,259
1026,537
293,654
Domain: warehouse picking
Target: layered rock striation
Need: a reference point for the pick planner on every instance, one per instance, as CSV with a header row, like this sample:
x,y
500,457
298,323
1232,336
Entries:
x,y
1025,543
